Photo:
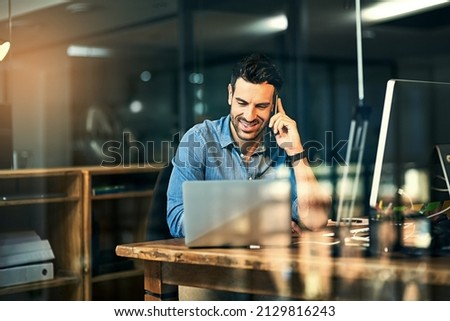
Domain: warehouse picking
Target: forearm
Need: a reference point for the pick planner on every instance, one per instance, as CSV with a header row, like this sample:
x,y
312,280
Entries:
x,y
313,203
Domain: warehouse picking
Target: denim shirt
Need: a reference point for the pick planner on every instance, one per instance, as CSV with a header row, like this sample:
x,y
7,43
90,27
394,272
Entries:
x,y
208,152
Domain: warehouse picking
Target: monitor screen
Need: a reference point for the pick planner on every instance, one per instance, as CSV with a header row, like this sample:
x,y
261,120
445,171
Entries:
x,y
415,120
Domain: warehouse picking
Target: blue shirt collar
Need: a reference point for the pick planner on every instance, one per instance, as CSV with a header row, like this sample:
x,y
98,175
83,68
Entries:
x,y
225,136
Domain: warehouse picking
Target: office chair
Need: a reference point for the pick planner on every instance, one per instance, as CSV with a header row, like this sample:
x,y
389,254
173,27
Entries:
x,y
157,228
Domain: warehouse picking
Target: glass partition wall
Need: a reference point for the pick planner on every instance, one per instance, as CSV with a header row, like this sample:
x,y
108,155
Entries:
x,y
118,82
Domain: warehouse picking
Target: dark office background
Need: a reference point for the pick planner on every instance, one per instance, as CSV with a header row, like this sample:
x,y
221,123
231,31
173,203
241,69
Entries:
x,y
144,71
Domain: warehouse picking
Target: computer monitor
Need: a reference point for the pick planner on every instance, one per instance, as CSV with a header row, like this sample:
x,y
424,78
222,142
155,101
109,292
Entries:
x,y
409,170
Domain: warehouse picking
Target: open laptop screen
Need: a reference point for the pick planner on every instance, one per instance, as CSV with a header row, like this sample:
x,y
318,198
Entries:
x,y
237,212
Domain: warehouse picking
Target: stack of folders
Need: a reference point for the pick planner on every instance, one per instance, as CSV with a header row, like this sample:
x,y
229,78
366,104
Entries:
x,y
24,258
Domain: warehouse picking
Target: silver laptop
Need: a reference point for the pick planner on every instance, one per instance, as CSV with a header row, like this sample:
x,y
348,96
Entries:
x,y
235,213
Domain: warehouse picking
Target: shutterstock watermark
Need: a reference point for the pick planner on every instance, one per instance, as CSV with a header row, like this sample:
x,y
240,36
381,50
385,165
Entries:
x,y
194,153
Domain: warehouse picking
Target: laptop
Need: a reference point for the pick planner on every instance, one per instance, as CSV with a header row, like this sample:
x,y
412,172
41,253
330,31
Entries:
x,y
237,213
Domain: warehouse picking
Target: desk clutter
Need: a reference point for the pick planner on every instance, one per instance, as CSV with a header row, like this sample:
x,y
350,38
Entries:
x,y
24,258
416,230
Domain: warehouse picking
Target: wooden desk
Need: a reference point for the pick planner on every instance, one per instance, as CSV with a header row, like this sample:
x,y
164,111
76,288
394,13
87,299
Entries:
x,y
307,271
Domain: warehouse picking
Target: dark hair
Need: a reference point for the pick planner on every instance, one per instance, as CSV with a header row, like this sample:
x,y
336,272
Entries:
x,y
257,69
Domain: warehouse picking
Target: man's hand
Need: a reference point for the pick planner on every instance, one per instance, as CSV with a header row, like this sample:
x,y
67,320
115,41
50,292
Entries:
x,y
296,230
285,131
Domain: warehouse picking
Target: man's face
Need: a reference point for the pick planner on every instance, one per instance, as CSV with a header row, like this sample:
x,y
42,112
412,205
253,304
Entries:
x,y
251,106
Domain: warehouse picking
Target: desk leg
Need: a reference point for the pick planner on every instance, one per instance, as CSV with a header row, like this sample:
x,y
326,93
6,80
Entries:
x,y
154,288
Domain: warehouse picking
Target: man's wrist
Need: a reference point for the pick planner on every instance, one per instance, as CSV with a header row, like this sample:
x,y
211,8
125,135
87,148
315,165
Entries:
x,y
291,159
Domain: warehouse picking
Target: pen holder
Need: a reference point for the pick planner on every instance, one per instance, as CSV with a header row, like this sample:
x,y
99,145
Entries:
x,y
384,234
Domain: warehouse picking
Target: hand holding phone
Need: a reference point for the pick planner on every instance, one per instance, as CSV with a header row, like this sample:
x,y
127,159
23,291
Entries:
x,y
285,129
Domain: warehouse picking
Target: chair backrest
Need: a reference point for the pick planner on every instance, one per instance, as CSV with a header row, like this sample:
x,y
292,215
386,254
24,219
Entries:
x,y
157,228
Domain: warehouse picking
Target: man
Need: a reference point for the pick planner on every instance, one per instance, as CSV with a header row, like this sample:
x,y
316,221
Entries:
x,y
249,143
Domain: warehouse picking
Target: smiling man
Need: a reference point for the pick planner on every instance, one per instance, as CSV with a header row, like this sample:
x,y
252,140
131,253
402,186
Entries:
x,y
251,142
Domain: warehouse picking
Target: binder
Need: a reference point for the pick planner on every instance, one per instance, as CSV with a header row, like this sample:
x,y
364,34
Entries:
x,y
20,248
26,257
7,238
16,248
26,274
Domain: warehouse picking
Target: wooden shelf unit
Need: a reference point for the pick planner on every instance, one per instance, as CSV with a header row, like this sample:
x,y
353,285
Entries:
x,y
84,212
48,202
116,202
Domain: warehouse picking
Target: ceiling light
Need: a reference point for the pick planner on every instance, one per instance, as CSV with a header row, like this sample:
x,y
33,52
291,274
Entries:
x,y
4,48
136,106
386,10
277,23
77,8
82,51
268,25
146,76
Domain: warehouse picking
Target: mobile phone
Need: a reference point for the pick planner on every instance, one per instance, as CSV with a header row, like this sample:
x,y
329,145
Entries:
x,y
275,108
